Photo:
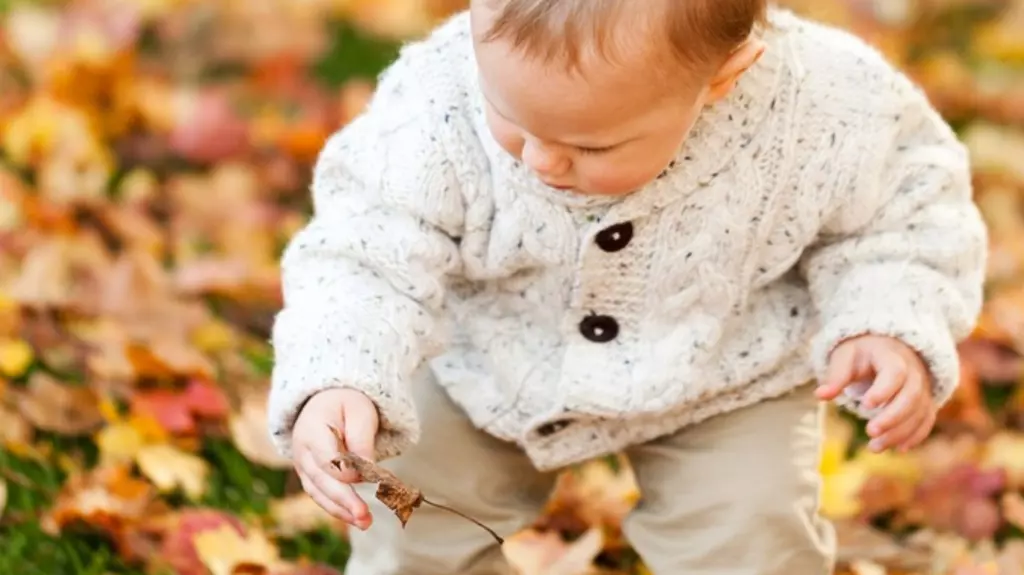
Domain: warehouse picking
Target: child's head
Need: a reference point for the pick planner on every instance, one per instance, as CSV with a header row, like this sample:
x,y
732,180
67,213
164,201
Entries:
x,y
598,95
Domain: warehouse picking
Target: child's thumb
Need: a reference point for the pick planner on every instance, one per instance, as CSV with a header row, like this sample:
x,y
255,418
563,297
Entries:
x,y
361,431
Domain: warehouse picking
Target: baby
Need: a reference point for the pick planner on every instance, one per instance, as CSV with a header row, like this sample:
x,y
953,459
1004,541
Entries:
x,y
669,228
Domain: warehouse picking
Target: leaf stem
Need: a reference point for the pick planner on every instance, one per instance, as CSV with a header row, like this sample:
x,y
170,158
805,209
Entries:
x,y
497,537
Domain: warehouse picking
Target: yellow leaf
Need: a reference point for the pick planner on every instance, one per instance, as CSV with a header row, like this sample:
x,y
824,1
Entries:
x,y
109,410
213,336
170,468
833,455
890,464
840,491
149,428
15,357
118,442
223,550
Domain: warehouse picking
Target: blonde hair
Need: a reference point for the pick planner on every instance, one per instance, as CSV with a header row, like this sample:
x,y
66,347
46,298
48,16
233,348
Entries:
x,y
700,33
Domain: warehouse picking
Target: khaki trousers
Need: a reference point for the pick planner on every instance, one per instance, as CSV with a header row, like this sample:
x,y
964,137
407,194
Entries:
x,y
734,495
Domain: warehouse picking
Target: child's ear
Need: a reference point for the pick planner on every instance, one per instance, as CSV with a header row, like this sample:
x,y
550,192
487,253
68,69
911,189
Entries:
x,y
738,62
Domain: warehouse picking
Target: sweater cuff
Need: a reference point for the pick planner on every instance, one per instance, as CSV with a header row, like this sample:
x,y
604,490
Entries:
x,y
357,360
867,306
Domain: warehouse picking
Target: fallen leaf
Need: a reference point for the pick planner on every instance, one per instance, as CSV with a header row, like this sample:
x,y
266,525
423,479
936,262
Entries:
x,y
15,357
223,551
167,408
1005,450
205,399
249,432
170,468
108,499
61,408
391,491
397,496
177,552
15,431
119,442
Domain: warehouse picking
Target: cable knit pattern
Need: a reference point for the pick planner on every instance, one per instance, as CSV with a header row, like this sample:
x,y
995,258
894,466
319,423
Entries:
x,y
823,199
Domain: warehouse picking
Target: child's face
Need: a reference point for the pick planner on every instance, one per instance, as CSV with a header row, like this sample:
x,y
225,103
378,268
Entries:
x,y
607,130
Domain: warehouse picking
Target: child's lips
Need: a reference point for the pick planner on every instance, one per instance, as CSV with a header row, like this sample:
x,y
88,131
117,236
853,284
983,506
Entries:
x,y
559,186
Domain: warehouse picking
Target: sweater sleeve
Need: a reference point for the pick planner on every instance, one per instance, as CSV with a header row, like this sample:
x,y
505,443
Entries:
x,y
363,281
904,254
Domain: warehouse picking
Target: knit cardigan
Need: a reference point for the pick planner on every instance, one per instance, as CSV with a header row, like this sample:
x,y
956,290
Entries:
x,y
824,198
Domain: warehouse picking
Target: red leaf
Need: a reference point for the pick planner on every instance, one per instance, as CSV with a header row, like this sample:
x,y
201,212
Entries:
x,y
169,409
178,551
206,400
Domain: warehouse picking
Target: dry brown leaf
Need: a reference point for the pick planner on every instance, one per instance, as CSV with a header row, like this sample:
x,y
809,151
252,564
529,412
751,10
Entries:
x,y
400,498
15,431
108,499
60,408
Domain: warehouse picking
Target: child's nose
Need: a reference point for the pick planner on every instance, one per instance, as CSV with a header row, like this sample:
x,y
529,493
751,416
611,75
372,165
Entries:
x,y
545,160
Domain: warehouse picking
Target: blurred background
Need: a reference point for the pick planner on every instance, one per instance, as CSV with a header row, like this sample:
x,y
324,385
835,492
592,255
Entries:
x,y
154,159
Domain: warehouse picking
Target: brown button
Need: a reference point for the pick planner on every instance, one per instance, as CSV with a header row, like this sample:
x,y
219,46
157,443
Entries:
x,y
599,328
553,427
615,238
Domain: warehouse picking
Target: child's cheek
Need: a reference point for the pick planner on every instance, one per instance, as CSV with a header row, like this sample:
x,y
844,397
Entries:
x,y
617,176
507,136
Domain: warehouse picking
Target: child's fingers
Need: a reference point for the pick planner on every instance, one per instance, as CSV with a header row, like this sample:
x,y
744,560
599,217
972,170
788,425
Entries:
x,y
323,446
340,493
899,434
839,373
922,433
323,501
893,414
887,384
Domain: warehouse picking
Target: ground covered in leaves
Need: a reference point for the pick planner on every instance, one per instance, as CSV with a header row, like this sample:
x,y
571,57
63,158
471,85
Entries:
x,y
154,158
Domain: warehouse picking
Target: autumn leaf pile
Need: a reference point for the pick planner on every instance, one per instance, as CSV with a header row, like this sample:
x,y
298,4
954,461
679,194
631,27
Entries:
x,y
154,159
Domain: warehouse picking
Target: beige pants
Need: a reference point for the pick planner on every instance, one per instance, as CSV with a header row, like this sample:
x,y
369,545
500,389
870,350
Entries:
x,y
735,495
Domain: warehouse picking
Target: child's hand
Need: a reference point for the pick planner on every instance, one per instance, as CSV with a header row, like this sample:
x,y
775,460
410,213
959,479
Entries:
x,y
898,379
314,446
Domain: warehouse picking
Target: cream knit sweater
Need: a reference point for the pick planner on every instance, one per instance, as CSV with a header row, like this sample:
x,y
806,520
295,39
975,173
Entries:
x,y
823,199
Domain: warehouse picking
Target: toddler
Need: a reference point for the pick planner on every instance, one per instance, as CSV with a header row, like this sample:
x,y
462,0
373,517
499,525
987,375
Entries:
x,y
669,228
